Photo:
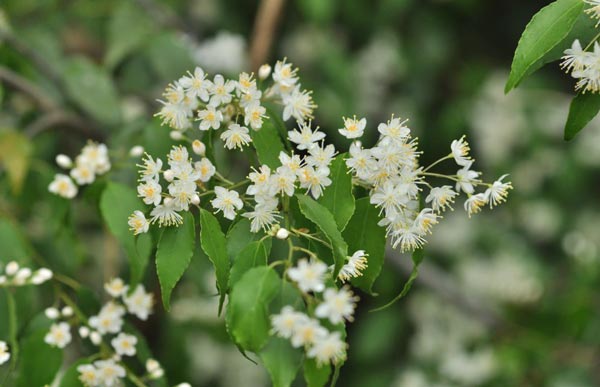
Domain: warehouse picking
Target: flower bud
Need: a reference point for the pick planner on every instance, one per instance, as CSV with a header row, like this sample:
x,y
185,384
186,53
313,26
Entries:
x,y
3,279
169,175
11,268
176,135
264,71
198,147
195,199
152,365
64,161
42,275
51,313
95,338
22,275
84,331
136,151
167,201
282,233
67,311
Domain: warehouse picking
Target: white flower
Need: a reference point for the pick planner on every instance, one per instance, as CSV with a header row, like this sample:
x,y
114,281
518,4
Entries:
x,y
466,178
109,372
64,161
314,180
361,161
196,85
337,305
575,58
264,214
4,354
253,115
154,369
298,104
227,201
95,156
136,151
150,191
67,311
594,10
408,239
285,323
282,182
138,223
109,319
353,128
52,313
460,151
59,335
221,91
245,83
305,138
394,131
139,302
425,220
236,136
389,196
293,162
84,332
320,156
355,266
210,118
498,192
124,344
206,169
261,179
11,268
441,197
150,169
309,276
62,185
88,375
166,214
474,203
116,287
285,74
328,349
22,276
307,332
252,97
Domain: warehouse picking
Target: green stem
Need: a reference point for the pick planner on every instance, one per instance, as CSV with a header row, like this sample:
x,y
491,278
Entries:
x,y
592,41
12,329
308,236
437,162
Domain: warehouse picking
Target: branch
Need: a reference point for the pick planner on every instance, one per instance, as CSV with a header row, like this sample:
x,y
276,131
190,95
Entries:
x,y
264,31
17,82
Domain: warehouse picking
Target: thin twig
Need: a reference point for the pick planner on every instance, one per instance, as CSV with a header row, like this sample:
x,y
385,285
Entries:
x,y
15,81
265,25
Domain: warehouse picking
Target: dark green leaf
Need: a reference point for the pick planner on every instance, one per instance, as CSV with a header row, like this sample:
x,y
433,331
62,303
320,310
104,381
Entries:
x,y
321,216
116,204
169,56
338,196
268,144
584,107
316,376
13,246
39,361
174,251
255,254
71,376
281,360
546,29
214,245
239,236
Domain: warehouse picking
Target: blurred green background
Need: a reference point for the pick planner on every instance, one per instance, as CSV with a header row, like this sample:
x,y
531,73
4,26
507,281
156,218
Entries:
x,y
507,298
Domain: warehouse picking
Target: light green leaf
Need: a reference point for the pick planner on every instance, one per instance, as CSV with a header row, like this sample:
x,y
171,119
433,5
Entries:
x,y
93,90
584,107
214,245
281,360
321,216
39,361
363,233
267,144
247,312
546,29
338,197
13,245
15,154
128,29
174,252
116,204
169,56
314,375
255,254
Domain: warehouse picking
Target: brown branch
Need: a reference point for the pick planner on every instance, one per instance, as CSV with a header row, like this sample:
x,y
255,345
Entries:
x,y
35,93
265,25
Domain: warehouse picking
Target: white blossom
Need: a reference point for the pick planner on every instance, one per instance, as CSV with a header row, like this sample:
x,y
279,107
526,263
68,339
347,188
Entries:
x,y
227,201
59,335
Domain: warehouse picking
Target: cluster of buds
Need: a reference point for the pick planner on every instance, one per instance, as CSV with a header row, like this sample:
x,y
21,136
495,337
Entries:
x,y
14,275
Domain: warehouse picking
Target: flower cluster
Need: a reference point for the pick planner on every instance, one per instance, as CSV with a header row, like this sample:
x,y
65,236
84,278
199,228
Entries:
x,y
91,162
392,173
335,307
584,65
14,275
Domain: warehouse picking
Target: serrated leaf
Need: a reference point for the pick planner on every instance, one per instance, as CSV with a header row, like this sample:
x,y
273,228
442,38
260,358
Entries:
x,y
253,255
90,87
583,109
363,233
116,204
268,144
314,375
15,155
173,254
281,360
338,196
128,28
39,362
545,30
321,216
214,245
247,311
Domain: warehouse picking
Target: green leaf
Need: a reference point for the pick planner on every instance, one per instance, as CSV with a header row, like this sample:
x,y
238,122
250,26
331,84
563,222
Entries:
x,y
169,56
546,29
417,258
174,252
281,360
90,87
338,197
255,254
316,376
584,107
247,312
239,236
321,216
268,144
13,245
39,361
214,245
116,204
15,155
363,233
71,376
128,29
